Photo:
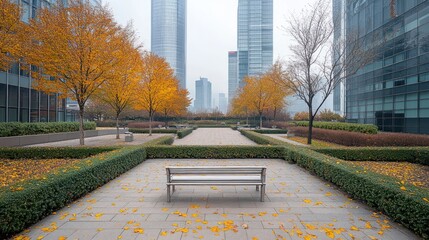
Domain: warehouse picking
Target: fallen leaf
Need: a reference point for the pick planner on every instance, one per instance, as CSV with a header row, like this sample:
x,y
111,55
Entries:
x,y
139,230
307,201
354,228
368,225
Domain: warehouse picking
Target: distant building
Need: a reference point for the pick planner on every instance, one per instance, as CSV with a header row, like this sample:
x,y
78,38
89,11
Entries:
x,y
232,75
254,37
223,102
203,95
339,11
168,34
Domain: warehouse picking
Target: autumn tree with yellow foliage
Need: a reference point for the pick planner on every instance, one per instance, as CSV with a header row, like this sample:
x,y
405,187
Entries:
x,y
10,32
157,84
77,49
176,104
121,91
260,94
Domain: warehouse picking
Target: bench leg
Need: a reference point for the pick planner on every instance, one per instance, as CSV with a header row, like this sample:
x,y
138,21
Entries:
x,y
168,193
262,192
257,187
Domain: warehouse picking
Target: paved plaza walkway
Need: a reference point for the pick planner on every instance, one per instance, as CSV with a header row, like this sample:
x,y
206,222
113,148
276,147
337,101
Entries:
x,y
214,136
106,140
298,205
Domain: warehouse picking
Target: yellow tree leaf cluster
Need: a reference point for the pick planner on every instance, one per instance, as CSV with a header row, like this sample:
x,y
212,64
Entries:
x,y
76,50
121,91
157,86
260,94
11,28
176,104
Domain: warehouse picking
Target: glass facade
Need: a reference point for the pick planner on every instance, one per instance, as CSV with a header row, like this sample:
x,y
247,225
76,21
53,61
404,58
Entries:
x,y
393,90
168,38
339,12
203,95
232,75
254,37
18,101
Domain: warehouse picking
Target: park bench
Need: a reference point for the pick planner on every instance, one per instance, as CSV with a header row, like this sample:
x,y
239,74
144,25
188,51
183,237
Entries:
x,y
216,175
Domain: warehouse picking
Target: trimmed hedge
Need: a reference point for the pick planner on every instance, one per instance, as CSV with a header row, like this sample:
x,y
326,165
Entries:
x,y
52,152
418,155
38,199
9,129
270,131
349,127
154,130
378,191
214,152
165,140
261,139
212,126
184,132
364,140
144,124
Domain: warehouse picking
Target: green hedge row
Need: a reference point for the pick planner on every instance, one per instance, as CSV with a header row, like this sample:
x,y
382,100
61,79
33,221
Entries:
x,y
211,126
9,129
350,127
214,152
270,131
388,154
38,199
52,152
184,132
154,130
378,191
165,140
260,139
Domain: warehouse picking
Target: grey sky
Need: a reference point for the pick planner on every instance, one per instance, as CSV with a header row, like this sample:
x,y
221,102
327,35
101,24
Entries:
x,y
212,32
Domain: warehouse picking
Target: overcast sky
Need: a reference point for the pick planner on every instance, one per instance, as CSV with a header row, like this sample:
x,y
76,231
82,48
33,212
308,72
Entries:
x,y
212,32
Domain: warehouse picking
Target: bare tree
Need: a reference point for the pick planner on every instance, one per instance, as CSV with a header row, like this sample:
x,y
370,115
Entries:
x,y
319,63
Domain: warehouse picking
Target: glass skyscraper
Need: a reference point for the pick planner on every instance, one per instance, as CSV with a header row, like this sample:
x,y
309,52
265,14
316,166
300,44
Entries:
x,y
203,95
254,37
393,90
18,101
232,75
168,38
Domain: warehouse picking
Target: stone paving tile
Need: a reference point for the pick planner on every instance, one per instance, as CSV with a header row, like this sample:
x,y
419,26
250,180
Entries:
x,y
297,204
218,136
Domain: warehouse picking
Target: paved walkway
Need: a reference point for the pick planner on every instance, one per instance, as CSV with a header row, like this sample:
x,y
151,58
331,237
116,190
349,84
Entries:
x,y
106,140
297,205
214,136
282,137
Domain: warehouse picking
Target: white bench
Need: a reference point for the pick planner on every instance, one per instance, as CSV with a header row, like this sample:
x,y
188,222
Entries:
x,y
216,175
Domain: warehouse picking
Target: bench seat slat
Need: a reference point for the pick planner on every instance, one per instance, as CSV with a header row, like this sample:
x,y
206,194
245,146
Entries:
x,y
215,178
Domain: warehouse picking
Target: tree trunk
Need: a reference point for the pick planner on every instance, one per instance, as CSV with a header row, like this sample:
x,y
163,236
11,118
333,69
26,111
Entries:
x,y
310,127
117,126
81,130
166,120
260,121
150,124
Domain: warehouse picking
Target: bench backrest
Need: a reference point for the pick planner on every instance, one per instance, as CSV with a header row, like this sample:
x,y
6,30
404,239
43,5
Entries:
x,y
216,170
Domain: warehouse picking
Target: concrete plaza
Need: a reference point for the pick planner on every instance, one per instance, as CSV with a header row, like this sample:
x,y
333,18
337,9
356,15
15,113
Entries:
x,y
214,136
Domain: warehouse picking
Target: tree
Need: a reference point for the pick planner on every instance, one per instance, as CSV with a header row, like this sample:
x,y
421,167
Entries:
x,y
327,115
10,29
121,91
318,64
301,116
175,104
156,85
76,49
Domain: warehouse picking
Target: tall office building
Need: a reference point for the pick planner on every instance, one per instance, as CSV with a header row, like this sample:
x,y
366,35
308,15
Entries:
x,y
393,90
168,38
223,102
18,101
339,11
232,75
254,37
203,95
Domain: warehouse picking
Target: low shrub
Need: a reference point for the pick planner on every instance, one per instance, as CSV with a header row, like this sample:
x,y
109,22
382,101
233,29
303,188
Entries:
x,y
350,127
52,152
154,130
111,123
9,129
363,140
145,124
380,192
260,139
184,132
165,140
278,125
212,126
37,199
271,131
214,152
418,155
